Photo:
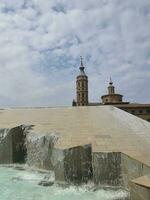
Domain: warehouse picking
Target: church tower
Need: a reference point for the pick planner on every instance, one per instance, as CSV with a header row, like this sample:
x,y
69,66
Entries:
x,y
82,87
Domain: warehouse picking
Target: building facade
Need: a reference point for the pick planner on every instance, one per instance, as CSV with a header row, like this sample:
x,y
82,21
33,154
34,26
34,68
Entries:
x,y
111,98
140,110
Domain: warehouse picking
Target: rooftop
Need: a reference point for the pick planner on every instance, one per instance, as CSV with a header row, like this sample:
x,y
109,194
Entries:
x,y
134,105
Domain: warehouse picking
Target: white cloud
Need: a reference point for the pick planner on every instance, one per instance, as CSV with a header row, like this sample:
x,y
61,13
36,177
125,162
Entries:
x,y
41,41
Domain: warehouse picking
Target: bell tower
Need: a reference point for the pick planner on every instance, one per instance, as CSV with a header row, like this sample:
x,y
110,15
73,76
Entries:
x,y
82,87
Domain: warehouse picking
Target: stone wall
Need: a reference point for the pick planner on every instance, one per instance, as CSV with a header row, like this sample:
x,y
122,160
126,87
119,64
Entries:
x,y
132,169
139,192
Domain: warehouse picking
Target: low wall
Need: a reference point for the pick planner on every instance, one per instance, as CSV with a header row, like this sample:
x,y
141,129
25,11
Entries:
x,y
139,192
132,169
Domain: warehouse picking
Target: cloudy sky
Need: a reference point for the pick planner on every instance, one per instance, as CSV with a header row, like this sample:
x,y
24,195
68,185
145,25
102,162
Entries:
x,y
41,42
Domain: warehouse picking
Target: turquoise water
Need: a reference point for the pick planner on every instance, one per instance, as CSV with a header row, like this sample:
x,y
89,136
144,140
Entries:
x,y
23,185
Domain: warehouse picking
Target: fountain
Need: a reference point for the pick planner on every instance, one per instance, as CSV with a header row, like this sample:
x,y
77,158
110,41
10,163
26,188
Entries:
x,y
74,173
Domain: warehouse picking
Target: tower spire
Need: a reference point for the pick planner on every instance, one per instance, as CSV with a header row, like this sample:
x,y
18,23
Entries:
x,y
110,83
81,58
81,67
81,64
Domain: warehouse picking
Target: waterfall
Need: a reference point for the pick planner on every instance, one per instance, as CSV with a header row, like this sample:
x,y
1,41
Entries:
x,y
40,149
3,134
12,144
20,144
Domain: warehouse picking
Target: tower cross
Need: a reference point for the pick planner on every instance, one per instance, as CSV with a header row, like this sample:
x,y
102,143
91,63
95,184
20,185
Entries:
x,y
81,61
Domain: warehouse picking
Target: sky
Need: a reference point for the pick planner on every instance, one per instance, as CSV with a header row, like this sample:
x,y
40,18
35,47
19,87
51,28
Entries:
x,y
41,42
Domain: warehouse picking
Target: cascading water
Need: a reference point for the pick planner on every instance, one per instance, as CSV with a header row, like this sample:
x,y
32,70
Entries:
x,y
12,147
39,150
3,134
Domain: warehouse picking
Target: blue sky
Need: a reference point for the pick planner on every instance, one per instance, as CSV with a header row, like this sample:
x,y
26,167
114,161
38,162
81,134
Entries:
x,y
42,40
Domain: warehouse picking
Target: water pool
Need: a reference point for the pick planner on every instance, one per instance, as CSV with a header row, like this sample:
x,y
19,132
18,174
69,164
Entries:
x,y
23,185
